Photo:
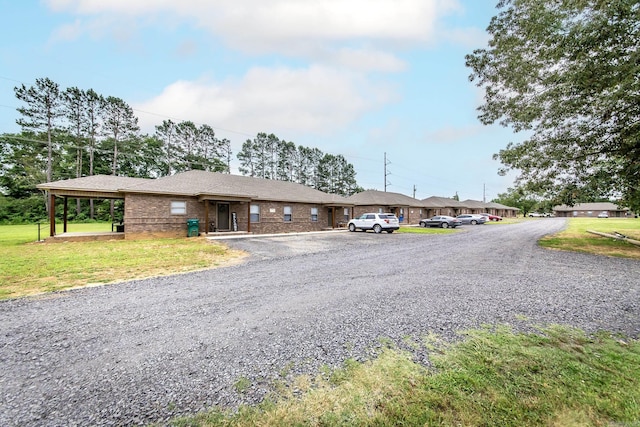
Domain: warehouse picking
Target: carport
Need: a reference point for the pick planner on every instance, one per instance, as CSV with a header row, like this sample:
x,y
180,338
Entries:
x,y
105,187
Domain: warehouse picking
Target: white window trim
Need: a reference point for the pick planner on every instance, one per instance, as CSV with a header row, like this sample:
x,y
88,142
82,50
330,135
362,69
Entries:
x,y
178,207
252,213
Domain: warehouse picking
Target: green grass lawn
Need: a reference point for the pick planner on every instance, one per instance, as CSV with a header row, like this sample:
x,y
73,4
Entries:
x,y
556,377
28,267
576,238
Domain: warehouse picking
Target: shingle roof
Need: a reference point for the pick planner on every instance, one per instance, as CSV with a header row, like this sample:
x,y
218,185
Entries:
x,y
495,205
441,202
100,183
474,204
198,183
382,198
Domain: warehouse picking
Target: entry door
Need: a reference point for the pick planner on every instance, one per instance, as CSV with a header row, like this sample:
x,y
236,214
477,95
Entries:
x,y
330,217
223,216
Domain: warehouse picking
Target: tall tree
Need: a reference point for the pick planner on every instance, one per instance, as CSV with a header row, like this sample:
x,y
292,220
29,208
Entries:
x,y
187,138
272,144
73,105
566,72
225,154
208,147
42,112
517,198
248,158
287,157
166,133
120,125
93,106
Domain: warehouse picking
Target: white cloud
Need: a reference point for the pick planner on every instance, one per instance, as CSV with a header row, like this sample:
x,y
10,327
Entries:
x,y
367,60
283,100
285,26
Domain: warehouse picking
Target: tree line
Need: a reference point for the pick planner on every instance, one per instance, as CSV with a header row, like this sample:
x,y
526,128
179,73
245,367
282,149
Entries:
x,y
267,156
72,132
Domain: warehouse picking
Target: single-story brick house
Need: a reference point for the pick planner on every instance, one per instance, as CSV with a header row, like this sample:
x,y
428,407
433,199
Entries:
x,y
591,210
407,209
501,210
442,206
446,206
220,202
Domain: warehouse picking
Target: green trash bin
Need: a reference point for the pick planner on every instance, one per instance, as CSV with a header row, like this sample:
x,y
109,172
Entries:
x,y
193,227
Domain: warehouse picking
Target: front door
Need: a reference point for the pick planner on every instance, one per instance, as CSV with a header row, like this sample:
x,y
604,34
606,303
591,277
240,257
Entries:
x,y
223,216
330,217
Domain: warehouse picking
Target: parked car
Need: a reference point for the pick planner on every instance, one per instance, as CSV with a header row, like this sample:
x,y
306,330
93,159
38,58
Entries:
x,y
472,219
603,214
535,214
378,222
491,217
443,221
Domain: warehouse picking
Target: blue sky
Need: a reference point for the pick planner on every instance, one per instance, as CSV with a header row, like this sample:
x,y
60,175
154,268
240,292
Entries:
x,y
359,78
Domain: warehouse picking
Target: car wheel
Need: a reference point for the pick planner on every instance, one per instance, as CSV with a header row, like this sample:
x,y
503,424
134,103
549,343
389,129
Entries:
x,y
377,228
474,222
352,227
423,224
444,225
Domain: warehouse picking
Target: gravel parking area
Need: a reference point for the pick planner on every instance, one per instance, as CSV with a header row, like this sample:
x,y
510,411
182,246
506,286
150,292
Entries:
x,y
145,351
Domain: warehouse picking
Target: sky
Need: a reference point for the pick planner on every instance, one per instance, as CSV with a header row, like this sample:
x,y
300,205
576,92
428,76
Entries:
x,y
361,78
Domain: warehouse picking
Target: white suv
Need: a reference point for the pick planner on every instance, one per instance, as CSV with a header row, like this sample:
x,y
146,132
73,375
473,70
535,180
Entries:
x,y
377,222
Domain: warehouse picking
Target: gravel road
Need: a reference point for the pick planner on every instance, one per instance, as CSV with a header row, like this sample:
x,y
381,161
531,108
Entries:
x,y
147,350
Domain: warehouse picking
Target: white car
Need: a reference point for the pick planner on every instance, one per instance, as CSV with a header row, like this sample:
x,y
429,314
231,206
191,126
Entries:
x,y
603,214
378,222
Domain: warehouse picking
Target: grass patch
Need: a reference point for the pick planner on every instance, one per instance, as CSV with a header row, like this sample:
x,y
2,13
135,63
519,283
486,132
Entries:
x,y
28,268
556,377
575,237
428,230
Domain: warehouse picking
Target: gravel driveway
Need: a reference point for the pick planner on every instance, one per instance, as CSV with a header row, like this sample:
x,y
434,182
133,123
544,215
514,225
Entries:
x,y
147,350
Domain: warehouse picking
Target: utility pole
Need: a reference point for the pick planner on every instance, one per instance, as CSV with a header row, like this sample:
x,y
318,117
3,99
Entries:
x,y
386,162
414,191
484,193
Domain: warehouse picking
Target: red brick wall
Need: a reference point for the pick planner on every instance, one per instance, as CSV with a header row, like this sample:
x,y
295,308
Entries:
x,y
150,216
272,218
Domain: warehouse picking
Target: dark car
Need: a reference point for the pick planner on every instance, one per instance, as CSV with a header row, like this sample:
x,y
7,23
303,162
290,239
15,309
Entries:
x,y
443,221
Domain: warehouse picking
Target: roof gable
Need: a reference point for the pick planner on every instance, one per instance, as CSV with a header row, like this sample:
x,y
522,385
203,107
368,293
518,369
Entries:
x,y
382,198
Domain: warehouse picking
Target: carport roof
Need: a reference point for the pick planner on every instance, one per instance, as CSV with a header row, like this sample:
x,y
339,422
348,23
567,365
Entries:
x,y
106,186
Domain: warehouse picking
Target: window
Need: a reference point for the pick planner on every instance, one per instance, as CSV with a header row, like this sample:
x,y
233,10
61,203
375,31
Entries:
x,y
288,216
346,214
178,208
254,213
314,214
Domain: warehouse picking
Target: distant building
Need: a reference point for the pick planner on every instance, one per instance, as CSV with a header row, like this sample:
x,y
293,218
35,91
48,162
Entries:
x,y
592,210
